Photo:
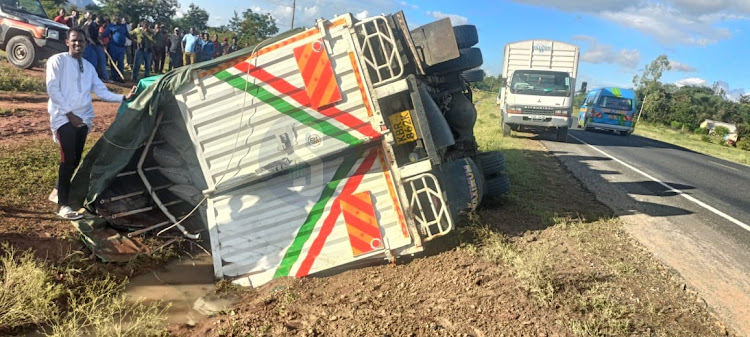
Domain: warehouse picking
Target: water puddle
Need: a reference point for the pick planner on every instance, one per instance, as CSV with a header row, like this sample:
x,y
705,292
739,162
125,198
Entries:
x,y
188,284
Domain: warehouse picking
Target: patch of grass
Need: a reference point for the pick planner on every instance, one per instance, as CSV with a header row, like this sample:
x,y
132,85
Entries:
x,y
604,314
14,79
29,172
101,308
27,290
697,142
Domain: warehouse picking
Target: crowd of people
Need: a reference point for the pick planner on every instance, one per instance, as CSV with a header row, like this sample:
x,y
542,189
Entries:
x,y
120,45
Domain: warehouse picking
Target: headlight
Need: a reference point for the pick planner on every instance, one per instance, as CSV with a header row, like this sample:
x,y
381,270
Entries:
x,y
563,112
513,109
53,34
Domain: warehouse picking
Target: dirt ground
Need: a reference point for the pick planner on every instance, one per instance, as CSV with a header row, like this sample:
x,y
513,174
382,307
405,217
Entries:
x,y
579,277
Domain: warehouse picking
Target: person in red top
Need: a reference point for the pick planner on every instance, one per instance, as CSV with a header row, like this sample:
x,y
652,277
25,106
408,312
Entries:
x,y
62,18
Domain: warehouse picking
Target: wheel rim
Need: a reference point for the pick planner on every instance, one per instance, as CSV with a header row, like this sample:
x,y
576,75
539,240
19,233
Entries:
x,y
20,52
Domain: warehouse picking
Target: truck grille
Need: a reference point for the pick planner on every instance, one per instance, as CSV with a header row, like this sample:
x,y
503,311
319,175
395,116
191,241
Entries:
x,y
537,110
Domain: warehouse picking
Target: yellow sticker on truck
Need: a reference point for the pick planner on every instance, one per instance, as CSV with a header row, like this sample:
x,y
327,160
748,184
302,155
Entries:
x,y
403,127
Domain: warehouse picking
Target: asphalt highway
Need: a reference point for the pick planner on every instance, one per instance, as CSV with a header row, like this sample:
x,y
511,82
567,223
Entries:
x,y
692,211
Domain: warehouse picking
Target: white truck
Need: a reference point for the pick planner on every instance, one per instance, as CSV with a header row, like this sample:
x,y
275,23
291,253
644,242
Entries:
x,y
538,85
348,141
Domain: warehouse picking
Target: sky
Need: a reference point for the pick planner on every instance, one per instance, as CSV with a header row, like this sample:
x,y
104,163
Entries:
x,y
706,41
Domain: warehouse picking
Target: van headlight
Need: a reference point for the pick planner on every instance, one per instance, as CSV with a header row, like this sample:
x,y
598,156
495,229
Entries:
x,y
53,34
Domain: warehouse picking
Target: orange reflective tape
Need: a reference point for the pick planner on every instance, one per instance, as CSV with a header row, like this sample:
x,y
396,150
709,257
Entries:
x,y
361,223
394,197
317,73
360,83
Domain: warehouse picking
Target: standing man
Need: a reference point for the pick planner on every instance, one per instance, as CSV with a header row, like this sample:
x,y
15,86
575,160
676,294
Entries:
x,y
218,47
207,48
70,82
233,46
175,49
117,33
73,18
94,51
160,48
190,43
144,42
61,18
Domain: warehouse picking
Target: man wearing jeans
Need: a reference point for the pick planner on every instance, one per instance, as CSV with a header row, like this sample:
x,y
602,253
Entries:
x,y
70,82
144,41
175,49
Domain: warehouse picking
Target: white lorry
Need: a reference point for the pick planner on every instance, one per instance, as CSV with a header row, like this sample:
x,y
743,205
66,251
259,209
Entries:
x,y
538,85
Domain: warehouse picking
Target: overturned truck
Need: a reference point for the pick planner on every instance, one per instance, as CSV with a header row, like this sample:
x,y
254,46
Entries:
x,y
320,148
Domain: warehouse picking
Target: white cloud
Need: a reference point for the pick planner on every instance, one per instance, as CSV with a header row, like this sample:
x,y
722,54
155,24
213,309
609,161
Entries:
x,y
687,22
406,4
604,53
732,94
681,67
691,81
456,19
361,15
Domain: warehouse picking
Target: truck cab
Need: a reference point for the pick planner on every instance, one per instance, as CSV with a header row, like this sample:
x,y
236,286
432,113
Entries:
x,y
26,33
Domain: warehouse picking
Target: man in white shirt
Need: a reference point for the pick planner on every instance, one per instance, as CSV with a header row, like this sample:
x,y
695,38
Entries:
x,y
70,82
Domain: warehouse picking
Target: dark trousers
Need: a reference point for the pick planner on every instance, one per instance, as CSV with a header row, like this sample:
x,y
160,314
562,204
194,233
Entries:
x,y
159,60
175,60
71,140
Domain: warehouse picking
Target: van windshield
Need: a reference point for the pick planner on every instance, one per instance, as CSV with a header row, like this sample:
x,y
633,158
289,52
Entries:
x,y
538,82
33,7
617,103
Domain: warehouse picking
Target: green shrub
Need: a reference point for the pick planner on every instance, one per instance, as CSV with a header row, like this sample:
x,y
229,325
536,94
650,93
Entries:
x,y
721,131
707,139
700,131
675,125
744,143
14,79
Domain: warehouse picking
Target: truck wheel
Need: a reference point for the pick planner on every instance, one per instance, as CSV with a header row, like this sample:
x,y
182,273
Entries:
x,y
562,135
506,130
21,52
473,75
497,185
468,58
491,163
466,35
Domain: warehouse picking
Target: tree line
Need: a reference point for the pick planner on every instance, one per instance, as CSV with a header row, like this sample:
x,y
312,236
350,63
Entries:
x,y
248,27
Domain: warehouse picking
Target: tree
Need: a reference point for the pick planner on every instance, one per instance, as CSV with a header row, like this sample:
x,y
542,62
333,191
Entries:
x,y
52,7
160,11
195,17
253,28
651,92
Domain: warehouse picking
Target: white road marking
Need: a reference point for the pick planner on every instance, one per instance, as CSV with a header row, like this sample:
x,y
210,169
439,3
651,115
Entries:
x,y
729,167
670,188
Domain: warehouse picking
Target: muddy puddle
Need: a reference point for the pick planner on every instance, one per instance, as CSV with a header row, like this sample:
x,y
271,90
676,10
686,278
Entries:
x,y
188,284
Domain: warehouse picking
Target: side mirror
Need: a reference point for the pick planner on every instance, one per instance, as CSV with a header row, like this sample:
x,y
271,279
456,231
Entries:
x,y
504,82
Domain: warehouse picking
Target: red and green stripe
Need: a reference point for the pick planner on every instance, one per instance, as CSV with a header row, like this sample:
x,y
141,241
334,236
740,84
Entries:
x,y
292,254
285,108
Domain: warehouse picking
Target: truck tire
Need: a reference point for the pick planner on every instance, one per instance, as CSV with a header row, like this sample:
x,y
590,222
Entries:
x,y
468,58
21,52
506,130
562,135
492,163
473,75
497,185
466,35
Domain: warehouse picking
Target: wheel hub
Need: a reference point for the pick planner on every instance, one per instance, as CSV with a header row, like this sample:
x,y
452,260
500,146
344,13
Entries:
x,y
20,52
